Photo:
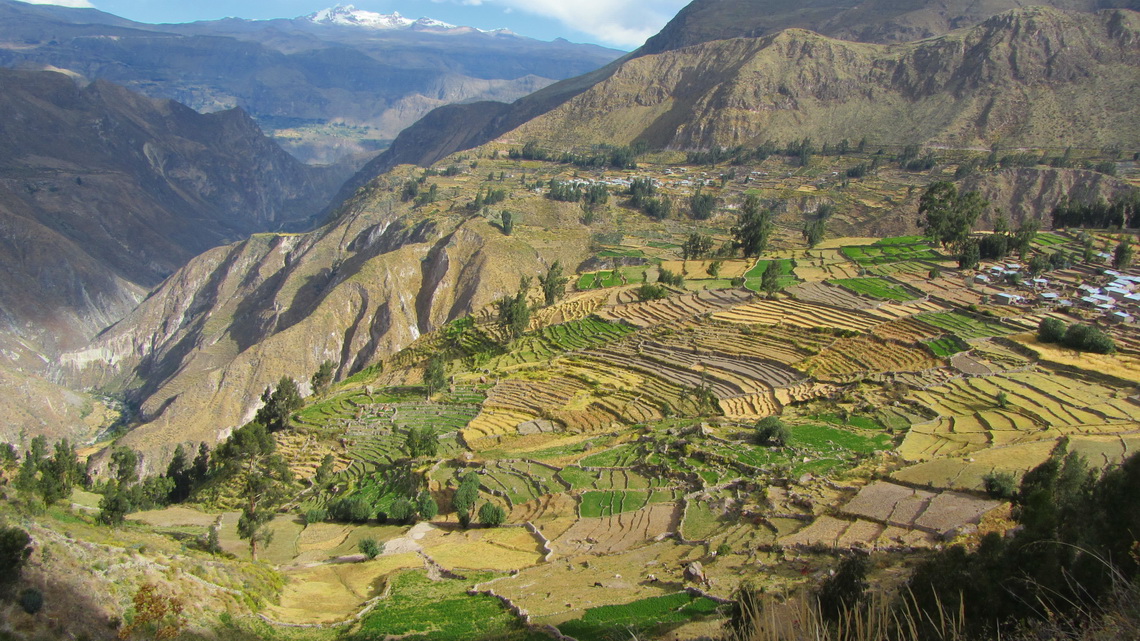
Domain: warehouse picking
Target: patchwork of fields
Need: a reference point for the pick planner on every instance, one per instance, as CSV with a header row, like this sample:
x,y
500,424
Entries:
x,y
620,438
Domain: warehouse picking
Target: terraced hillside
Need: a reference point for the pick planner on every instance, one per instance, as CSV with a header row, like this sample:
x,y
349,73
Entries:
x,y
619,438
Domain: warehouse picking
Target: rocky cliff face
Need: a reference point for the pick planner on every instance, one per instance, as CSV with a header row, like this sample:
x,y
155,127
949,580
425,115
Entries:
x,y
1035,78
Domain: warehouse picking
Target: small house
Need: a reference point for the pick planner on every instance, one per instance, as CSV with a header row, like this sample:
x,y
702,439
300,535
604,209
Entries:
x,y
982,279
1119,317
1005,298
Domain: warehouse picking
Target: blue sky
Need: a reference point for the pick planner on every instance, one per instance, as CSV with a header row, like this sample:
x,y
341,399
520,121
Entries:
x,y
623,24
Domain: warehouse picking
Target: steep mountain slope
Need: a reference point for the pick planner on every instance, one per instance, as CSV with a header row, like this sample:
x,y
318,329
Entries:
x,y
877,21
1034,77
325,90
708,21
106,192
201,349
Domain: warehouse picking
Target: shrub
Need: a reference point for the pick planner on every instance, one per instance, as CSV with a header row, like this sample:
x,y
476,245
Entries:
x,y
350,510
1051,330
15,548
492,515
1000,485
1087,338
402,510
772,432
370,548
315,515
32,600
845,589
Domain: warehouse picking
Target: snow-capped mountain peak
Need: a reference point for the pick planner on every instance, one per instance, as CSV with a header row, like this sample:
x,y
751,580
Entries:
x,y
350,16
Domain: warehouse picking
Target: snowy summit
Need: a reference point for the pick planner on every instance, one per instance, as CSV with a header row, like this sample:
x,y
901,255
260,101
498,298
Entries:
x,y
350,16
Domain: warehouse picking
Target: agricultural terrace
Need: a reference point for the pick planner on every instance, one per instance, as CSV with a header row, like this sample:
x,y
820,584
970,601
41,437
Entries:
x,y
620,435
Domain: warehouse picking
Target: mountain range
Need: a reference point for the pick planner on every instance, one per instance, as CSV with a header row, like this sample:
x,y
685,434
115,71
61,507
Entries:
x,y
740,33
198,353
324,86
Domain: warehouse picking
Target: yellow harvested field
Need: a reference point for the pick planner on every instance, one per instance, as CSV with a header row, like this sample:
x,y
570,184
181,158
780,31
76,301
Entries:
x,y
494,422
846,241
967,472
564,588
175,516
1120,365
333,592
698,269
500,549
620,532
797,314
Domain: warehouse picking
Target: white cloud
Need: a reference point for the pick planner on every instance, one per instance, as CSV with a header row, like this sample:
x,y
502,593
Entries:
x,y
74,4
625,23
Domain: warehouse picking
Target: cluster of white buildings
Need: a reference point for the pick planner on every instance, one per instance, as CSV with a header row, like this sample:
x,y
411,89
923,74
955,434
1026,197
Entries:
x,y
1115,301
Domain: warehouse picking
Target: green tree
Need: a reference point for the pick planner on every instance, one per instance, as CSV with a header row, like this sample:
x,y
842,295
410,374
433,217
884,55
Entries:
x,y
180,474
844,590
753,228
402,510
467,493
947,216
553,283
250,457
1025,235
279,405
370,548
1051,330
714,268
814,232
27,480
324,471
421,442
508,222
701,205
696,246
435,374
770,279
15,548
491,515
772,432
426,506
59,473
514,311
970,256
323,377
1122,255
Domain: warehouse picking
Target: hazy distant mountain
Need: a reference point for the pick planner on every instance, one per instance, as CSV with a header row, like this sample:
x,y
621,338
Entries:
x,y
327,85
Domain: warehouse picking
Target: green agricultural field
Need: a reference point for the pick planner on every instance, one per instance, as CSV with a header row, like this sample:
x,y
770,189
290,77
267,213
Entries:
x,y
822,438
602,279
557,339
965,327
892,250
620,456
419,608
946,346
1046,239
610,502
785,266
876,288
643,617
860,422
